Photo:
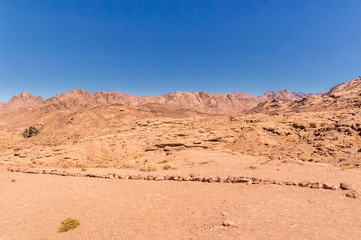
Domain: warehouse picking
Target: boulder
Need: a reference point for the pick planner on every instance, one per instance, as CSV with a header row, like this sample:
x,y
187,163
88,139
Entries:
x,y
345,186
352,194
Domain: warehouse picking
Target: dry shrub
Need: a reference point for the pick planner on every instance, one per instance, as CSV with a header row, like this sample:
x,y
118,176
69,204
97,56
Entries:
x,y
68,224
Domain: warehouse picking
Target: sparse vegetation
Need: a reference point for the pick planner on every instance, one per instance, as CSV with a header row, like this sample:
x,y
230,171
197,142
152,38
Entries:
x,y
128,165
13,180
164,161
204,162
149,168
303,158
30,132
253,167
181,148
68,224
167,167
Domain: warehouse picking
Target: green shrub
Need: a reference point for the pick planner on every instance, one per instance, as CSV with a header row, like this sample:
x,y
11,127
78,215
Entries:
x,y
30,132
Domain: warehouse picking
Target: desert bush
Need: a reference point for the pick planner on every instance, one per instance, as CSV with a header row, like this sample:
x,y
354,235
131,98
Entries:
x,y
253,167
82,167
181,148
30,132
68,224
128,165
164,161
304,158
167,167
149,168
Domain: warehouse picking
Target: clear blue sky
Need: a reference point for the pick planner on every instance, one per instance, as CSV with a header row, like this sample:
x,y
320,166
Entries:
x,y
155,47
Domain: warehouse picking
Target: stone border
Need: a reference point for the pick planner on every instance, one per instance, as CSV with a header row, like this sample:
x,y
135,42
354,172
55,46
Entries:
x,y
245,180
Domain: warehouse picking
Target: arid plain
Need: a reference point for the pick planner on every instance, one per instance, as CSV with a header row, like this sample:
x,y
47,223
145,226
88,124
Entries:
x,y
183,165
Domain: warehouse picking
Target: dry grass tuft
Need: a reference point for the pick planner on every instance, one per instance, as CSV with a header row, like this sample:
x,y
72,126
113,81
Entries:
x,y
164,161
203,163
303,158
149,168
167,167
68,224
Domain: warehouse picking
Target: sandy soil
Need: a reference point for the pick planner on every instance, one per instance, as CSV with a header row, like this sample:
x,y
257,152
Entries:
x,y
34,205
315,147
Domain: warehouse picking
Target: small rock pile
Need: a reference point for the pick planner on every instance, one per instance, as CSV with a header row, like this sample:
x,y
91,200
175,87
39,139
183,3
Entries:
x,y
245,180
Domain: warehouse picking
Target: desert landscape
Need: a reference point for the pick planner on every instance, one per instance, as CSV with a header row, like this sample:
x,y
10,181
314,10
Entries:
x,y
182,165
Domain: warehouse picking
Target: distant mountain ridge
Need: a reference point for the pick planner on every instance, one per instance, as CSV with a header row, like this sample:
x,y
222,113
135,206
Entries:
x,y
226,103
345,96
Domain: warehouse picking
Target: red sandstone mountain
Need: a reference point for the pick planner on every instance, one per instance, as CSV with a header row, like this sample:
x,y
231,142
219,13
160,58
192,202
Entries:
x,y
24,100
303,95
198,101
282,95
227,103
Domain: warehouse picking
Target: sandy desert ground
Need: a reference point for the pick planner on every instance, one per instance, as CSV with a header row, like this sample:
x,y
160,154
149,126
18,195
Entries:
x,y
158,171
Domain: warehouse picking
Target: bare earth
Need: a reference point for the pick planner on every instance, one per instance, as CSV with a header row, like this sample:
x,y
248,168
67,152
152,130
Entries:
x,y
35,205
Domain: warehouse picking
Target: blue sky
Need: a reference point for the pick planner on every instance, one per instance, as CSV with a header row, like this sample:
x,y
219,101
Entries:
x,y
155,47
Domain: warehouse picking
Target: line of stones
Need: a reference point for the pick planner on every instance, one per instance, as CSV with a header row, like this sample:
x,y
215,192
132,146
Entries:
x,y
247,180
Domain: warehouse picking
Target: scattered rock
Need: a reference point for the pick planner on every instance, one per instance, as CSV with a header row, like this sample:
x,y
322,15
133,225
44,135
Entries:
x,y
163,145
218,139
304,184
316,185
290,183
352,194
326,186
345,186
159,178
229,223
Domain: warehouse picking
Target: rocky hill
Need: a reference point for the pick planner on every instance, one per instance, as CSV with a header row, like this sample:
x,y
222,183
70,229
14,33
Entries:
x,y
344,96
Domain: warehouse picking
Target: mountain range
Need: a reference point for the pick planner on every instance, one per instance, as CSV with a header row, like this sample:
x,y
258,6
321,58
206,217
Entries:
x,y
227,103
343,96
